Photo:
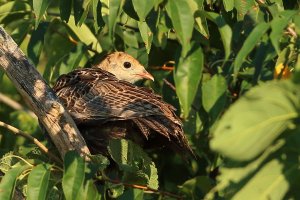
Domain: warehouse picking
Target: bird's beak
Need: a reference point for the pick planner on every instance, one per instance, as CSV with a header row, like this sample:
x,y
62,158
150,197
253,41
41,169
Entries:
x,y
146,75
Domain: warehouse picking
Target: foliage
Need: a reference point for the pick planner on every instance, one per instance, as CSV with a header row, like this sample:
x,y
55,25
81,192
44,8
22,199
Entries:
x,y
236,74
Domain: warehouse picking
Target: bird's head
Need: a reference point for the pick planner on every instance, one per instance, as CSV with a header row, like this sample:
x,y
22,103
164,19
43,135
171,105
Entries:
x,y
124,67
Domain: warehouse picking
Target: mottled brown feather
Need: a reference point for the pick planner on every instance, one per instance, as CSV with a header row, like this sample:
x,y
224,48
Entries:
x,y
96,98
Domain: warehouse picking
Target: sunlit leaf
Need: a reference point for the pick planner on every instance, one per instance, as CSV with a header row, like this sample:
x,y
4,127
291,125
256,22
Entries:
x,y
183,22
146,34
8,182
187,76
114,11
142,8
73,178
38,181
40,7
278,24
255,120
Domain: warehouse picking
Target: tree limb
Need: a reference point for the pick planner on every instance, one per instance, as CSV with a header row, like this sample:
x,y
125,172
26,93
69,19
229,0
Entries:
x,y
43,101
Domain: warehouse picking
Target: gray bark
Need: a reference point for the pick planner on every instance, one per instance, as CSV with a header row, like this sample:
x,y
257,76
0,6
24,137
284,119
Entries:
x,y
43,101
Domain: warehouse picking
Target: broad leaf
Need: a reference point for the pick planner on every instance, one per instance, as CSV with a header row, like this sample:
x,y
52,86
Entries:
x,y
142,8
183,22
74,173
228,5
214,95
65,8
8,182
115,7
146,34
187,76
136,165
256,120
40,7
248,45
224,29
36,42
38,181
278,24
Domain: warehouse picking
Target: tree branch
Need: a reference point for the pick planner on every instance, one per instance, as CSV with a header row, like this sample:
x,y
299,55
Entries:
x,y
43,101
34,140
15,105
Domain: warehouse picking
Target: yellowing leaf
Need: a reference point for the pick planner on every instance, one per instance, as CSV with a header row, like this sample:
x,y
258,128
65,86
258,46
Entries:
x,y
282,71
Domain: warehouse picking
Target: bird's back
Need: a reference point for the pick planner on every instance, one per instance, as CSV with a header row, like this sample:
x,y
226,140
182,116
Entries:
x,y
96,98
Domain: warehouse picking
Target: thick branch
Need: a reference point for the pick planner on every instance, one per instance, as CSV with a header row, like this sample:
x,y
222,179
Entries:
x,y
40,97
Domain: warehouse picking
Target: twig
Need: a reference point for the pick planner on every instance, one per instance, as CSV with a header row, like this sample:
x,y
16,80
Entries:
x,y
14,105
27,136
169,84
145,188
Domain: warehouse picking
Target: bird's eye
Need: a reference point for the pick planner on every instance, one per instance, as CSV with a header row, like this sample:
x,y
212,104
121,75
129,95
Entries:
x,y
127,65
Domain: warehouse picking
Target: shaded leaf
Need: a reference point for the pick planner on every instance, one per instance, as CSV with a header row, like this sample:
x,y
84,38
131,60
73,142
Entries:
x,y
224,29
65,8
137,166
36,43
248,45
214,95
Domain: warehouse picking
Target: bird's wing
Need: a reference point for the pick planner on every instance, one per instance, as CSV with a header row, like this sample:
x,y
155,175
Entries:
x,y
93,95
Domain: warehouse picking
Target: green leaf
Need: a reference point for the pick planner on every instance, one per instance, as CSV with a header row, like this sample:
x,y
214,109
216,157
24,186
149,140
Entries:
x,y
224,29
39,8
278,24
74,173
183,21
115,8
133,194
214,95
98,20
78,10
8,182
228,5
136,165
196,187
270,182
146,34
248,45
187,76
38,181
90,191
65,8
85,35
255,120
243,7
36,43
142,8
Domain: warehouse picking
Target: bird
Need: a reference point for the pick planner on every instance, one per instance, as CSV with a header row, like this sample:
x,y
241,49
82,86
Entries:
x,y
105,104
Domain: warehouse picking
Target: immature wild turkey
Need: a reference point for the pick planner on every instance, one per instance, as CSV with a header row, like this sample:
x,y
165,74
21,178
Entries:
x,y
105,104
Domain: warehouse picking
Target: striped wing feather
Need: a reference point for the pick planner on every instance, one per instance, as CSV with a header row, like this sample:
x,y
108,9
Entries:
x,y
94,96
